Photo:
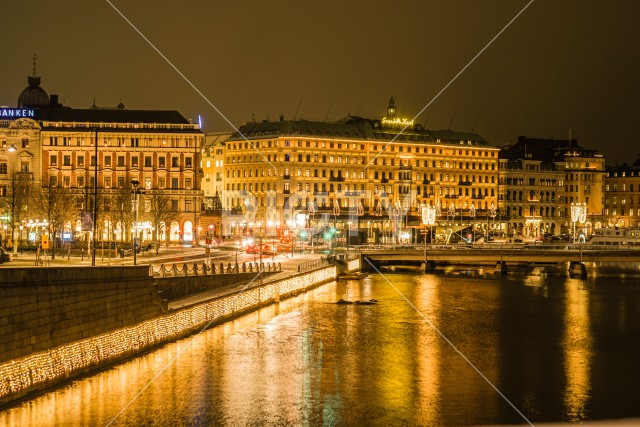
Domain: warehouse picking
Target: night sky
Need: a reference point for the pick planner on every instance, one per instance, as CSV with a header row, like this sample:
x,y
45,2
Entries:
x,y
561,65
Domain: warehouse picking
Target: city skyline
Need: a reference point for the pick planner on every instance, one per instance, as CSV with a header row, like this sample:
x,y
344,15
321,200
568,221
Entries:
x,y
557,70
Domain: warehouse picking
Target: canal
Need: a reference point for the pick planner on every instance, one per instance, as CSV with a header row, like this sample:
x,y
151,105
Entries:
x,y
556,349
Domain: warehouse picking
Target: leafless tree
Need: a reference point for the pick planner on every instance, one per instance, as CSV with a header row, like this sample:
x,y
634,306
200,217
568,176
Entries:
x,y
58,205
160,211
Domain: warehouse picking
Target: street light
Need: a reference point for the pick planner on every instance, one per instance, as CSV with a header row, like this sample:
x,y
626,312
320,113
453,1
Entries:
x,y
578,214
428,218
135,183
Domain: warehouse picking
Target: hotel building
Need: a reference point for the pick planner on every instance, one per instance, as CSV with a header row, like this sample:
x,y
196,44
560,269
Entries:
x,y
367,176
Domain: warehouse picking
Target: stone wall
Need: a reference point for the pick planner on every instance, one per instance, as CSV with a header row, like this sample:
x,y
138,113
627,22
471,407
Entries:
x,y
43,308
18,377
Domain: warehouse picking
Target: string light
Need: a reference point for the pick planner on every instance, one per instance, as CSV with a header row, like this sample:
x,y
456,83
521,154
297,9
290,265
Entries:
x,y
19,376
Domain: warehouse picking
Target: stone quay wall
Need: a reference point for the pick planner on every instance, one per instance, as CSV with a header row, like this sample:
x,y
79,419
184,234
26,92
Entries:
x,y
38,370
43,308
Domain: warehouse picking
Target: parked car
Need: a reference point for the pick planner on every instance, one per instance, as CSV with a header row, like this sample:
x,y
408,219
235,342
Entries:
x,y
269,250
4,255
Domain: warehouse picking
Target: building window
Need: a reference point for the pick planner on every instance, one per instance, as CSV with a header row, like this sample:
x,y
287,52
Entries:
x,y
188,162
161,162
147,182
147,161
81,181
175,162
174,205
66,160
66,181
121,182
187,205
134,161
161,182
107,161
174,183
187,183
120,161
3,168
107,182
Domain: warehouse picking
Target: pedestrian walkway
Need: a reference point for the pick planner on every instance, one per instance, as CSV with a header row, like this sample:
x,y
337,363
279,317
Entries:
x,y
289,268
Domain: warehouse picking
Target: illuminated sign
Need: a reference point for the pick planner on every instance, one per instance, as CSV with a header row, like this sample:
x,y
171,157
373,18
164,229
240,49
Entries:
x,y
396,121
17,112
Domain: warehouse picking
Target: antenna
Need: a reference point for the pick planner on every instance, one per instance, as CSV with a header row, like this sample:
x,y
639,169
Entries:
x,y
298,109
475,123
34,63
424,125
327,116
452,117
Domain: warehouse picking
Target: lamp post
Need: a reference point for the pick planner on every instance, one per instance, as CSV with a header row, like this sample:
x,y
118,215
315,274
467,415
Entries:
x,y
312,210
336,212
237,247
135,183
578,214
428,218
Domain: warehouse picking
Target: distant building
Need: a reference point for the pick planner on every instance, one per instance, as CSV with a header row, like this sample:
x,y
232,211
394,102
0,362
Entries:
x,y
622,195
541,178
362,174
55,146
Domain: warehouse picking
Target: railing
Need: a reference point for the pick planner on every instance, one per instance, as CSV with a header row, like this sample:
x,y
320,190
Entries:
x,y
202,269
313,265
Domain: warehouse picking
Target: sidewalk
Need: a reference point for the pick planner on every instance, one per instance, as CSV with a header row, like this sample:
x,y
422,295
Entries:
x,y
171,254
289,268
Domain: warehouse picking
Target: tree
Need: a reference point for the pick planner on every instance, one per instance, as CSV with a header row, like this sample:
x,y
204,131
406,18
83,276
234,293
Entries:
x,y
58,205
18,199
121,210
159,211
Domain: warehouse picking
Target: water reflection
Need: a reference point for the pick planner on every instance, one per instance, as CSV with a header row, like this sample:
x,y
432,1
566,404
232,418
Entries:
x,y
577,350
557,348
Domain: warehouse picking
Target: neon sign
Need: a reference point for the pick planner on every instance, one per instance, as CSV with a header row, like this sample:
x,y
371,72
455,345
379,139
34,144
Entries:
x,y
396,121
17,112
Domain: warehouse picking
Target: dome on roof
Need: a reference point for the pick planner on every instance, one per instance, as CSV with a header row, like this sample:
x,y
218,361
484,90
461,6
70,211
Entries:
x,y
33,95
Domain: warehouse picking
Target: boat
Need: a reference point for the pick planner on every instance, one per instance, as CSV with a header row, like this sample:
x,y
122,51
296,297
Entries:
x,y
615,236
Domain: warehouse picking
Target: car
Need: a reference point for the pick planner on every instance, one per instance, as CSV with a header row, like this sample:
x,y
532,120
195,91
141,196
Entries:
x,y
252,249
4,255
269,250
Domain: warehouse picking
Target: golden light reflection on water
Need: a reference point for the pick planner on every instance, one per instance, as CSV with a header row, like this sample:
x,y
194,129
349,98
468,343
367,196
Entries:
x,y
577,349
428,352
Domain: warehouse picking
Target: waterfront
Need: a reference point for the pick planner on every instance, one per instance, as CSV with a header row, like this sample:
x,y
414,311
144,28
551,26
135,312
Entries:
x,y
560,349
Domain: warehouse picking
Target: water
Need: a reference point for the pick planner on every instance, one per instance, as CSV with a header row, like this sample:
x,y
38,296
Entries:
x,y
559,349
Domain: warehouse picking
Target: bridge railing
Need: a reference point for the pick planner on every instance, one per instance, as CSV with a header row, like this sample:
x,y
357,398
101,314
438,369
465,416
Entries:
x,y
202,269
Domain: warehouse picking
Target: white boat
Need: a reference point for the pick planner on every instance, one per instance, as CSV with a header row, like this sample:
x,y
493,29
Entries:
x,y
615,236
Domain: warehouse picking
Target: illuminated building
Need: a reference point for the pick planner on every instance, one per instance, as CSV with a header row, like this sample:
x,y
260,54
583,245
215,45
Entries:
x,y
622,196
55,146
274,169
541,178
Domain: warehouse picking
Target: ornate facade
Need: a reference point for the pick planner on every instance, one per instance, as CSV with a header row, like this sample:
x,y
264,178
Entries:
x,y
56,148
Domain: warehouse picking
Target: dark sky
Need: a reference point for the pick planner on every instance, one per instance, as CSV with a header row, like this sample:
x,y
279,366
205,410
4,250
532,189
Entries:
x,y
561,65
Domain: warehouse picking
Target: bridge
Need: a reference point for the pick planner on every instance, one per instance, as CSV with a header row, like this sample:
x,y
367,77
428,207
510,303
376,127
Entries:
x,y
501,255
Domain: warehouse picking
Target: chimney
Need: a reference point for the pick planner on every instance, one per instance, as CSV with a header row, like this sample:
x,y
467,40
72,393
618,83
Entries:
x,y
282,117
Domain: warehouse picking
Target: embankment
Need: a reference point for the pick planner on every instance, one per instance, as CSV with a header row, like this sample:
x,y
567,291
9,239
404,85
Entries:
x,y
119,325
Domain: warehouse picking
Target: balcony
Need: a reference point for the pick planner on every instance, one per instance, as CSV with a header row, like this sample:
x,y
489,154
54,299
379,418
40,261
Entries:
x,y
464,183
338,178
287,176
384,180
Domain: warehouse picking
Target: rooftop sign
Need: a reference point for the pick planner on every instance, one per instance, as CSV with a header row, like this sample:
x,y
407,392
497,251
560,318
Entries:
x,y
12,113
396,121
